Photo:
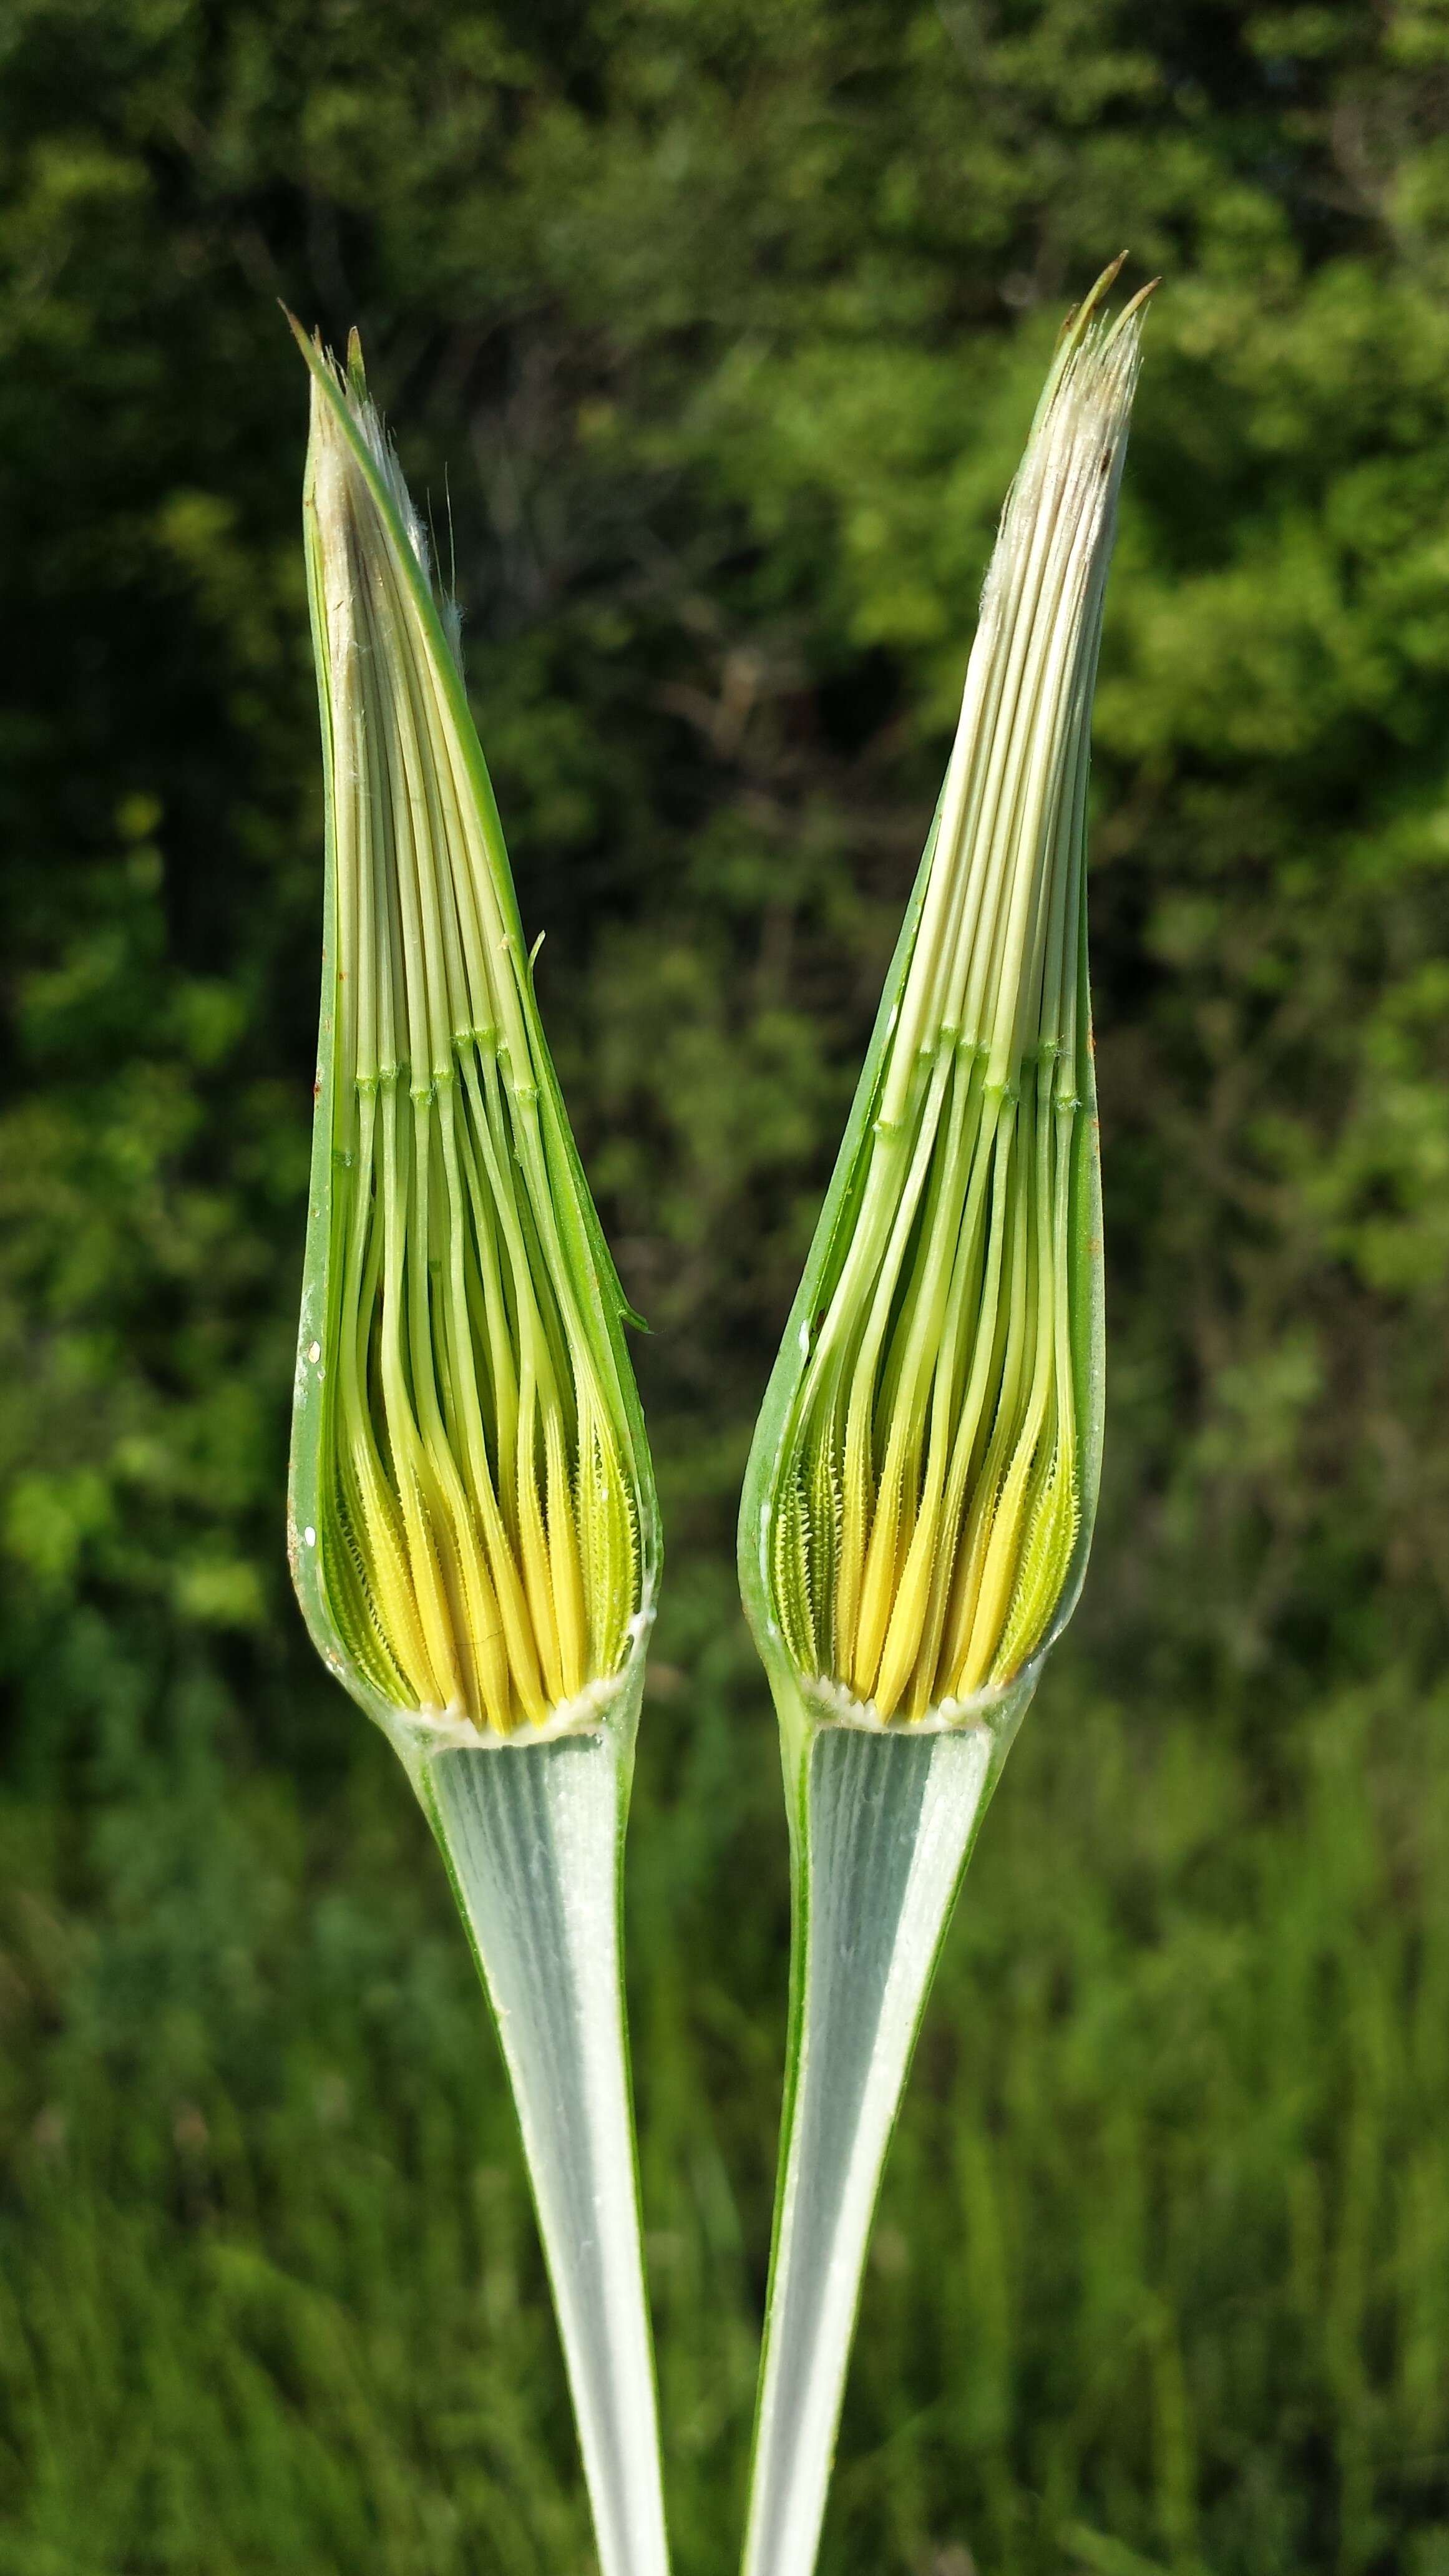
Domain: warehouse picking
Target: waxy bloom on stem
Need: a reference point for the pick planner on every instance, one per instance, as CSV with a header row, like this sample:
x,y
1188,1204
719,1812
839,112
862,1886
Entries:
x,y
478,1519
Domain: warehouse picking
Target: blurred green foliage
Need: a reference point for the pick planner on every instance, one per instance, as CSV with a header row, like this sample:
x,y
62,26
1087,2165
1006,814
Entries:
x,y
714,333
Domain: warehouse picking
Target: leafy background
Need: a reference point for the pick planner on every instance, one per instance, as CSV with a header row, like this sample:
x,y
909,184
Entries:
x,y
713,332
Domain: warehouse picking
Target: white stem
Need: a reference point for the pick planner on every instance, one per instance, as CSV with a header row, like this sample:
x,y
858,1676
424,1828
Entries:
x,y
888,1822
532,1836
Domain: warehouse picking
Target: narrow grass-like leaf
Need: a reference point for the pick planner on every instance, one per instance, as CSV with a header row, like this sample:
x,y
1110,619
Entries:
x,y
474,1535
919,1500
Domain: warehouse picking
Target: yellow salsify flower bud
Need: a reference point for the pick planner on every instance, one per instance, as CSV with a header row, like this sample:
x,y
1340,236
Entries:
x,y
473,1530
476,1524
920,1492
932,1483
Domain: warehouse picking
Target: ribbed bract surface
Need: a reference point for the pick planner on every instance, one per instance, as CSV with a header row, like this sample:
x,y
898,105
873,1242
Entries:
x,y
479,1501
929,1502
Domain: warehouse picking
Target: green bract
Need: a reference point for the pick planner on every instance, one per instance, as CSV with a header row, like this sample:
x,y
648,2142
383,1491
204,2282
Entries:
x,y
476,1539
922,1487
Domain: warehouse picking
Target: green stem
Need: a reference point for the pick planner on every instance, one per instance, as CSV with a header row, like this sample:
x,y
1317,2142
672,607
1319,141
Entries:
x,y
532,1835
882,1825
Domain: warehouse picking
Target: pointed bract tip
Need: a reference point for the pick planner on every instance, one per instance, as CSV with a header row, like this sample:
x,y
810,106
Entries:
x,y
304,340
1080,316
1097,294
1139,302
